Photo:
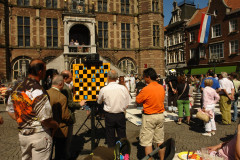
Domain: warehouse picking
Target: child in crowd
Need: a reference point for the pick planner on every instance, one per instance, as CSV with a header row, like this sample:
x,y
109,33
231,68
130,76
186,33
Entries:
x,y
210,98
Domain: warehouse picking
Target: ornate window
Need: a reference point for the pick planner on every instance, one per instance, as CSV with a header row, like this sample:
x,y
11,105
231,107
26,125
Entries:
x,y
216,49
23,31
202,52
20,67
233,25
125,33
192,53
192,36
156,35
102,5
51,3
216,31
127,66
234,49
155,5
103,34
125,6
23,2
52,32
181,56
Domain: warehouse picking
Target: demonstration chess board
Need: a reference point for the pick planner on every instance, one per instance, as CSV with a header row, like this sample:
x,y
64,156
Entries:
x,y
88,80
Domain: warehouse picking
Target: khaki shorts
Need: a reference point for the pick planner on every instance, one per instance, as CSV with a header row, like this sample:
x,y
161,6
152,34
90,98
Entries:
x,y
152,130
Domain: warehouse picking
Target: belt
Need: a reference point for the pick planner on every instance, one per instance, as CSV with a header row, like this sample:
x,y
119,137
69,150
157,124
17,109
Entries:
x,y
151,114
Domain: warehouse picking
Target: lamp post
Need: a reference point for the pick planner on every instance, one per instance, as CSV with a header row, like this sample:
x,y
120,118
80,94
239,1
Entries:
x,y
213,60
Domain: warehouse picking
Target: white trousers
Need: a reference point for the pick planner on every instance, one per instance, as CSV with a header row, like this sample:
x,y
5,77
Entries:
x,y
211,125
37,146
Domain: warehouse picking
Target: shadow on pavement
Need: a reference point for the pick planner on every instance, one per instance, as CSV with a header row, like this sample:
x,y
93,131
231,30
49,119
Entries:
x,y
227,138
78,142
140,149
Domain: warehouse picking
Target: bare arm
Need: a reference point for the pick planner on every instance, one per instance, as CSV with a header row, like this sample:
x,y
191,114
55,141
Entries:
x,y
12,115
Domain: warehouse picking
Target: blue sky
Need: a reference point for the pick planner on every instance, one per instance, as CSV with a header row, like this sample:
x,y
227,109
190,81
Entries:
x,y
167,8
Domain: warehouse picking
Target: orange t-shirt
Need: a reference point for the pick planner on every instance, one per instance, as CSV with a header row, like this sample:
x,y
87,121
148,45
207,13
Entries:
x,y
152,96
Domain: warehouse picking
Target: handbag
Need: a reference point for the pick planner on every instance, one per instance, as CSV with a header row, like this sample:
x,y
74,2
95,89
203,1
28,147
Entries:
x,y
202,115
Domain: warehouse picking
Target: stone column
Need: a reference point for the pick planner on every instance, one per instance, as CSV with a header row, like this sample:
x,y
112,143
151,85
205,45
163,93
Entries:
x,y
66,36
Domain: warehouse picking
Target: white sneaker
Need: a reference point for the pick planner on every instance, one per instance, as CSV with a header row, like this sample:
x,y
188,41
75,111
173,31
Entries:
x,y
207,134
213,133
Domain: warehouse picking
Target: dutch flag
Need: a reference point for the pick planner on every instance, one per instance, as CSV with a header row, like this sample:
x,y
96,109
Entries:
x,y
204,29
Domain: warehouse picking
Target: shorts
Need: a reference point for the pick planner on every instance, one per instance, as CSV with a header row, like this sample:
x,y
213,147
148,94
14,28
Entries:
x,y
152,130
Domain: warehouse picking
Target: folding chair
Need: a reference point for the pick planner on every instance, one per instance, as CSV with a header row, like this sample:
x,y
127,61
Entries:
x,y
169,151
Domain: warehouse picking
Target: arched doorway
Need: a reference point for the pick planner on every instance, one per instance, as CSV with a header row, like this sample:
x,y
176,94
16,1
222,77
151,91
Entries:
x,y
127,66
19,67
80,33
75,61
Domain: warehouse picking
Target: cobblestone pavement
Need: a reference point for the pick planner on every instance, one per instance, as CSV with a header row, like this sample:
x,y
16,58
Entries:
x,y
187,137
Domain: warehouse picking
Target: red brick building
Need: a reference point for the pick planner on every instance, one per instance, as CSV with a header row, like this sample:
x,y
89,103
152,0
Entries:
x,y
128,33
222,50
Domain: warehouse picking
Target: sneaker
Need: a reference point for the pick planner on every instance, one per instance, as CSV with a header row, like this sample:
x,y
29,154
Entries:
x,y
207,134
213,133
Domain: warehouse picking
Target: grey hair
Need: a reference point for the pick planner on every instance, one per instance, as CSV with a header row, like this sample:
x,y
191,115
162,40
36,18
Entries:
x,y
57,79
224,74
112,74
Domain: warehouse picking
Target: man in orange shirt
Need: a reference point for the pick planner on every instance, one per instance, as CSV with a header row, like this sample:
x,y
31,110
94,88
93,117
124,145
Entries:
x,y
152,96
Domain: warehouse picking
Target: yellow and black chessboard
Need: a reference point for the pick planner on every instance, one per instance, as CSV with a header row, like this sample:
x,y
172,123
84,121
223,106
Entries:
x,y
88,80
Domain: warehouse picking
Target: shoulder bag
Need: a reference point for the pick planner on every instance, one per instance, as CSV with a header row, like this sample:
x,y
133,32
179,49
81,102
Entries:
x,y
183,91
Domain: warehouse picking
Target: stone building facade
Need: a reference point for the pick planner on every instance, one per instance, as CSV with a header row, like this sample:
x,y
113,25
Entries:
x,y
128,33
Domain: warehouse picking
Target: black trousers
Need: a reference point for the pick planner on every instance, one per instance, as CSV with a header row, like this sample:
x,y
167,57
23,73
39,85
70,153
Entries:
x,y
115,122
60,148
172,98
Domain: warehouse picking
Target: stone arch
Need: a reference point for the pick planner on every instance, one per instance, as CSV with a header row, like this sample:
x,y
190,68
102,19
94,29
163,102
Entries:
x,y
127,65
77,60
80,32
48,59
20,66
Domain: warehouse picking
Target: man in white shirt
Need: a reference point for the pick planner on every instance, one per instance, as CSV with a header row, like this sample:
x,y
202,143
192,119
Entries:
x,y
226,96
116,100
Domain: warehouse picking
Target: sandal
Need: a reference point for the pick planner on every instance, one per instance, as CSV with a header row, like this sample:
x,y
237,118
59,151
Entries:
x,y
179,123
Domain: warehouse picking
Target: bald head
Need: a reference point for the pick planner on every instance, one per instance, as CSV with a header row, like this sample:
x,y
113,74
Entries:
x,y
112,75
36,66
67,76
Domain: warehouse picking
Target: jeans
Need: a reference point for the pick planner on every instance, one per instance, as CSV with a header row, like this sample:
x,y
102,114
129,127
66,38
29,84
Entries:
x,y
235,109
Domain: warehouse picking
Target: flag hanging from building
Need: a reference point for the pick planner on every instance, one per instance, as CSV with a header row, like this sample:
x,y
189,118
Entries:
x,y
204,28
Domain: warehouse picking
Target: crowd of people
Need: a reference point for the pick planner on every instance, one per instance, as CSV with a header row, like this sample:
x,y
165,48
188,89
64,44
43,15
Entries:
x,y
45,114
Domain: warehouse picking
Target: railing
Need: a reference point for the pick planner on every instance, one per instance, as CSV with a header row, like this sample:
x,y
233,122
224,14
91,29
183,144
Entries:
x,y
79,48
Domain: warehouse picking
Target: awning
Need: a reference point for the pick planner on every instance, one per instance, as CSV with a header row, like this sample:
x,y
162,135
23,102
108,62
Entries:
x,y
199,71
218,70
228,69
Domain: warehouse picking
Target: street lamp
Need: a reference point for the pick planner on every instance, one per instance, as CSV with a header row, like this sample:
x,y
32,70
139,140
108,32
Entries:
x,y
214,60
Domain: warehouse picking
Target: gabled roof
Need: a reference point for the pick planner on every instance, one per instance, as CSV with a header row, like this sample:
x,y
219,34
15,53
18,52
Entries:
x,y
196,18
234,4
